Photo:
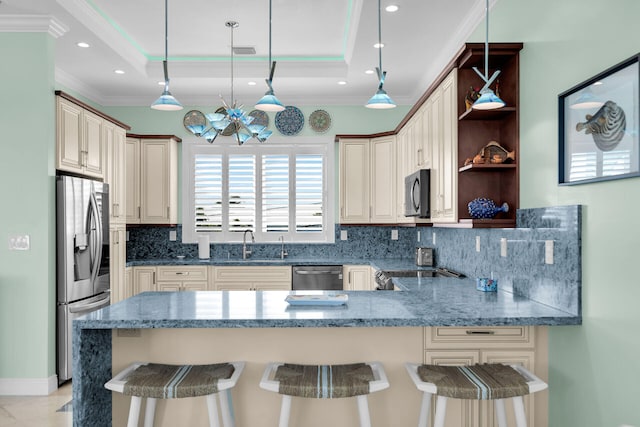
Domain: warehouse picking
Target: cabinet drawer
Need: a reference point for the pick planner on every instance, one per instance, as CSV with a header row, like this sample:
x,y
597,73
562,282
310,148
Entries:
x,y
477,336
182,273
252,274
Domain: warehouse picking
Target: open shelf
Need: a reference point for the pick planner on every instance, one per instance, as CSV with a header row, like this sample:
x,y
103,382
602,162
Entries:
x,y
498,114
486,166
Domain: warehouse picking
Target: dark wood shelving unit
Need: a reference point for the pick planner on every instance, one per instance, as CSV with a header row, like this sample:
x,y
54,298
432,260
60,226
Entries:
x,y
498,182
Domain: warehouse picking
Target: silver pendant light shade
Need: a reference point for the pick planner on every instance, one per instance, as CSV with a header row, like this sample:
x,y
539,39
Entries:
x,y
269,102
166,101
488,99
380,100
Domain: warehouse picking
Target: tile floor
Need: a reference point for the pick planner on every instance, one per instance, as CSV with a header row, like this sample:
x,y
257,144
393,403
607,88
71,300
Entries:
x,y
53,410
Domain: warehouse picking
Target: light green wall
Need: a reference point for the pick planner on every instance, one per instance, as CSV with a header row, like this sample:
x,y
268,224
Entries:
x,y
27,278
594,373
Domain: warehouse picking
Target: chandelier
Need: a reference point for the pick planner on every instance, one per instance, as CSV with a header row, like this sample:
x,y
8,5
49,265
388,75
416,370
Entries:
x,y
230,119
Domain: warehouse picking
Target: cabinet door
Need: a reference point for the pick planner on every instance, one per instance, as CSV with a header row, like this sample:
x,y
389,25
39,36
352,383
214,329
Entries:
x,y
69,129
354,181
114,138
274,286
195,286
128,282
233,286
445,153
94,149
118,255
158,181
460,413
403,169
132,180
144,279
357,278
509,357
169,286
383,180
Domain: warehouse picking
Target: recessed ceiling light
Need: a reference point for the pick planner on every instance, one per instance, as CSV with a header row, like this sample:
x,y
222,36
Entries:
x,y
82,44
391,8
342,82
369,72
251,83
378,45
118,71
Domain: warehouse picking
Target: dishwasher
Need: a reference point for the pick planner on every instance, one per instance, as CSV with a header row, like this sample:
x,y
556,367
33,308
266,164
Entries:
x,y
316,277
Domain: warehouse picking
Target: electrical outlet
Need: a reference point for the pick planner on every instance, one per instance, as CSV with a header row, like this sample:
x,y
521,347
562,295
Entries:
x,y
343,235
20,242
127,236
477,243
394,234
433,238
503,247
129,333
548,251
173,235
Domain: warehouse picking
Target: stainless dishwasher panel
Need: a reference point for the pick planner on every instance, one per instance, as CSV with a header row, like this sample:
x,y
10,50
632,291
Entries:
x,y
316,277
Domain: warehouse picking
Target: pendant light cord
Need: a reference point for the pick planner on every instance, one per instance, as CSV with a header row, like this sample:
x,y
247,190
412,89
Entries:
x,y
269,36
166,30
486,42
380,36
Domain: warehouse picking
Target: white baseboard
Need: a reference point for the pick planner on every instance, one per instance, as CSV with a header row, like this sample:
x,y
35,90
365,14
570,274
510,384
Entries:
x,y
28,386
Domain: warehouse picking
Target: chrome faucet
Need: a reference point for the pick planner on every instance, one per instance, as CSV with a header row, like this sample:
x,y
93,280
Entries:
x,y
283,251
246,253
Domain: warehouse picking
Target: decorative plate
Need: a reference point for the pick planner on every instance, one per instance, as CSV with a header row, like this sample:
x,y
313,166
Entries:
x,y
290,121
259,118
196,120
320,121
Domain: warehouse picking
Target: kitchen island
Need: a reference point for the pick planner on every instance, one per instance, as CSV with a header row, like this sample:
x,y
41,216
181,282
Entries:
x,y
257,327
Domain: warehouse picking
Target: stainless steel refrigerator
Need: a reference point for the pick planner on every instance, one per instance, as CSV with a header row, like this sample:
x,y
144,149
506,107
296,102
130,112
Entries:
x,y
82,240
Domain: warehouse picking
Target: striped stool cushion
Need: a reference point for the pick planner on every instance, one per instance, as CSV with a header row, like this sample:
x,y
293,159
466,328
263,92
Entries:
x,y
324,381
175,381
480,382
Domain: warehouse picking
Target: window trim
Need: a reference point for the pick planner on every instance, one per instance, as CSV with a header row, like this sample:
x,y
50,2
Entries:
x,y
276,145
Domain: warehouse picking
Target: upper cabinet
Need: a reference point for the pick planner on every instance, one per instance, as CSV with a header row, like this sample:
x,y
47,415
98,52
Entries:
x,y
443,134
496,181
367,180
151,170
114,138
81,146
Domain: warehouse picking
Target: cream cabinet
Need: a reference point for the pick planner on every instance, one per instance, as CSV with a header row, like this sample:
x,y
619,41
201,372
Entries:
x,y
443,140
368,180
114,137
182,278
237,278
117,262
144,280
525,345
151,179
357,278
79,141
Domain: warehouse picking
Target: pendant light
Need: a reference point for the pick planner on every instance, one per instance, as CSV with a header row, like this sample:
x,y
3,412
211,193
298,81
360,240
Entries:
x,y
269,102
166,102
488,100
380,100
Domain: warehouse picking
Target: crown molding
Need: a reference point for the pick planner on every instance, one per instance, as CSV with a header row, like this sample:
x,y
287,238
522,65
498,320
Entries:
x,y
32,24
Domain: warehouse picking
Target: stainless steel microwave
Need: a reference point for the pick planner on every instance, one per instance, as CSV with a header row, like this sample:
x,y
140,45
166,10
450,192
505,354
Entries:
x,y
417,194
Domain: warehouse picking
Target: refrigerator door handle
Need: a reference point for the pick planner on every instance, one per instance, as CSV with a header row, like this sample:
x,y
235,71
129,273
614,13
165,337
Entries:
x,y
97,241
90,306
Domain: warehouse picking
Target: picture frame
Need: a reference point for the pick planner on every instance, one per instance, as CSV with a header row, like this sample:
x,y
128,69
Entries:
x,y
598,126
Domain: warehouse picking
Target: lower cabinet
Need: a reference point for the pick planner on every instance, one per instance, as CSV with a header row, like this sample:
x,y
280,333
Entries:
x,y
144,280
182,278
232,278
357,278
524,345
118,259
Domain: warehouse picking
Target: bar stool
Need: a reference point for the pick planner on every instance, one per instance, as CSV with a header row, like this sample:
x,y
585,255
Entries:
x,y
487,381
157,381
324,382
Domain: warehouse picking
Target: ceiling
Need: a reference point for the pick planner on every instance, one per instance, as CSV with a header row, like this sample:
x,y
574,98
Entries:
x,y
316,44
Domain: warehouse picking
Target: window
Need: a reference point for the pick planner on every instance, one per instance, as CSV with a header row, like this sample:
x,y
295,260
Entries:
x,y
274,189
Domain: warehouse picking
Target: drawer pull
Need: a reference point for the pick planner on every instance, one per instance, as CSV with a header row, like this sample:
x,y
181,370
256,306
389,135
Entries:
x,y
481,332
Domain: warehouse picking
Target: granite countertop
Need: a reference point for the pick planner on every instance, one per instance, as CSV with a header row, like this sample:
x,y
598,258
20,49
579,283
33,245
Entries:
x,y
423,302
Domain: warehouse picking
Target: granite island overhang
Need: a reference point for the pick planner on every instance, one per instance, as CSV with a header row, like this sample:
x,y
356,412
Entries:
x,y
424,302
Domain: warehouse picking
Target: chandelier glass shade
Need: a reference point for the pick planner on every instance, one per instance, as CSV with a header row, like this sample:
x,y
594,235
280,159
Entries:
x,y
166,101
229,120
